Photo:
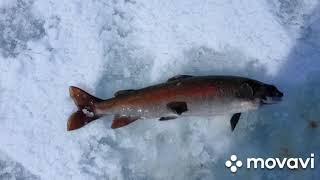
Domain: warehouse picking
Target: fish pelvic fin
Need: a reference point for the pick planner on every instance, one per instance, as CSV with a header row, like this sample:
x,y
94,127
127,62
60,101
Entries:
x,y
178,107
86,108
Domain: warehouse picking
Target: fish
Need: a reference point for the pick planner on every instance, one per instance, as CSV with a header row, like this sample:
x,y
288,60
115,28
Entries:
x,y
180,96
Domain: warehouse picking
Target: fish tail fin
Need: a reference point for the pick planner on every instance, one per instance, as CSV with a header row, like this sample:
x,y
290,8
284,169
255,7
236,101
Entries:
x,y
86,108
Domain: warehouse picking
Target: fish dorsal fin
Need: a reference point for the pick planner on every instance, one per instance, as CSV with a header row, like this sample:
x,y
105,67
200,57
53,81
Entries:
x,y
123,92
178,77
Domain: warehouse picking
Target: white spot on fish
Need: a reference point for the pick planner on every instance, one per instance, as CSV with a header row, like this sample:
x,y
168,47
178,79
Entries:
x,y
88,113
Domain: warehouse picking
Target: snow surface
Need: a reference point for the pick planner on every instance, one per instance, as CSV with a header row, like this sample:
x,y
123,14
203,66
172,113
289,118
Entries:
x,y
103,46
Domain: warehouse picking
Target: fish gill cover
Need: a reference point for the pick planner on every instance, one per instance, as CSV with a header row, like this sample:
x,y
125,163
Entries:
x,y
104,46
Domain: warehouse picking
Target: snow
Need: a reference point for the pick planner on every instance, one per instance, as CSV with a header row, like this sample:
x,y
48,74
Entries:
x,y
104,46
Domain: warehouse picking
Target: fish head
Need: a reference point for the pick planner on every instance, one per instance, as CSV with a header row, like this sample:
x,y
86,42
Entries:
x,y
266,93
271,95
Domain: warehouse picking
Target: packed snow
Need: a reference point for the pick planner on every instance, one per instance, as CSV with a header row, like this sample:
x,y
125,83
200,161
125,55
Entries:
x,y
107,45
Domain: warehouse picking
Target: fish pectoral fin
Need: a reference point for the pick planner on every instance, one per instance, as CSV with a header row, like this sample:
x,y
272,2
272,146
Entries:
x,y
178,77
234,120
120,121
166,118
178,107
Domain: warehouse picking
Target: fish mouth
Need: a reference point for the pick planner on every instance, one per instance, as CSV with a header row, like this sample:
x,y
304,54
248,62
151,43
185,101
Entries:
x,y
272,97
271,100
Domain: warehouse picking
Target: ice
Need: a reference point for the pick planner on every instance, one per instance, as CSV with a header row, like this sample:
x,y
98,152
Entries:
x,y
19,26
105,46
10,169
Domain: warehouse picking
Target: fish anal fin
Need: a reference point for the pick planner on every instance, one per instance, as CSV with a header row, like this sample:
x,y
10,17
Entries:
x,y
166,118
120,121
178,107
234,120
178,77
123,92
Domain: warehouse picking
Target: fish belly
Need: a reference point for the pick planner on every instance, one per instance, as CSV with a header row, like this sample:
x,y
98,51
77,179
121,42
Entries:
x,y
221,107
